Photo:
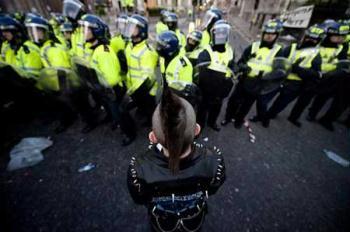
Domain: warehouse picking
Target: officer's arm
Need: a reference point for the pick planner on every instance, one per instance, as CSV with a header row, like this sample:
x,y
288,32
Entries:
x,y
203,57
245,56
312,73
136,185
277,73
343,53
285,52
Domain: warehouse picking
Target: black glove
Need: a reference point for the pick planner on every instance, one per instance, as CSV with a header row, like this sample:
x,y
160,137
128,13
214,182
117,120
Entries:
x,y
295,66
244,68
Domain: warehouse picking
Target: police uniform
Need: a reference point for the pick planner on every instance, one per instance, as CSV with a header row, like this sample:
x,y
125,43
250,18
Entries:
x,y
141,78
205,39
160,27
257,60
29,59
303,76
328,83
178,72
220,62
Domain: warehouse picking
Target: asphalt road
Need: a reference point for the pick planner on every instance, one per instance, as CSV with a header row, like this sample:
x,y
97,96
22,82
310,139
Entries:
x,y
282,182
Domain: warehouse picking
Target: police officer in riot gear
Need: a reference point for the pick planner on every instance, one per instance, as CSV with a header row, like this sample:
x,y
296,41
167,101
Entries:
x,y
175,176
255,85
74,10
171,21
110,90
331,51
67,30
53,79
215,65
193,47
210,18
174,65
14,36
306,65
342,87
141,85
161,24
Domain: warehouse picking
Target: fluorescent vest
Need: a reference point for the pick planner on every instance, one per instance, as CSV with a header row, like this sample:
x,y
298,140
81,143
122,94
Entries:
x,y
262,62
295,54
219,61
178,73
142,61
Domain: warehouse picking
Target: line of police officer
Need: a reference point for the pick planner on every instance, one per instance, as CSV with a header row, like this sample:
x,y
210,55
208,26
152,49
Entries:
x,y
71,61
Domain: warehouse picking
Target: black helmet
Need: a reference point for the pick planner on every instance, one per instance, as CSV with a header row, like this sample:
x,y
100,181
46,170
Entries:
x,y
193,40
34,23
140,22
171,21
96,25
220,32
167,44
210,17
73,9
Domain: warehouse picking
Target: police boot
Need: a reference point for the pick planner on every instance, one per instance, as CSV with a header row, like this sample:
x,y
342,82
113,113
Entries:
x,y
215,127
254,119
266,123
326,124
238,124
226,121
295,122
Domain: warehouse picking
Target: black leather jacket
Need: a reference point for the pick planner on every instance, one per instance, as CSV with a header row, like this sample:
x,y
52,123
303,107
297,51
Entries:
x,y
149,178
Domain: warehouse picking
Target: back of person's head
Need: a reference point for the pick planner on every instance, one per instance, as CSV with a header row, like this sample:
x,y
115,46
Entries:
x,y
174,126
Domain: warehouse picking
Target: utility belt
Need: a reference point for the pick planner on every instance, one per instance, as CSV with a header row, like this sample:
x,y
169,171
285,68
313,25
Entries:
x,y
173,213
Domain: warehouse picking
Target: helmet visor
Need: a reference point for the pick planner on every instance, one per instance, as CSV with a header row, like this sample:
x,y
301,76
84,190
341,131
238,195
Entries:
x,y
208,17
121,25
220,34
35,34
71,8
132,29
86,29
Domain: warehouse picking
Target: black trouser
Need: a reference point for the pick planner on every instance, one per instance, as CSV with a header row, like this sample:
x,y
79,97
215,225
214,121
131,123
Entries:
x,y
262,102
80,99
341,99
303,101
286,95
318,102
209,110
145,103
234,102
62,107
242,104
110,99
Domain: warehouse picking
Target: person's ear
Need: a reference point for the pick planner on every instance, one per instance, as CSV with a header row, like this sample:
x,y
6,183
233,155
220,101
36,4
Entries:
x,y
197,130
152,137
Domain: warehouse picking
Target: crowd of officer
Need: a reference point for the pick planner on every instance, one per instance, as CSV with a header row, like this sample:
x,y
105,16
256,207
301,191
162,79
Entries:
x,y
71,66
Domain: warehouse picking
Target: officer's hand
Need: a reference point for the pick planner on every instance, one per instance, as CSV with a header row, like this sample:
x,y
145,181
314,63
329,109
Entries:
x,y
244,68
253,55
296,64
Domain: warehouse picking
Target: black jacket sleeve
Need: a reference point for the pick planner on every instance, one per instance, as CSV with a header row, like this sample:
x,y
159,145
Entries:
x,y
245,55
136,185
219,172
203,57
312,73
